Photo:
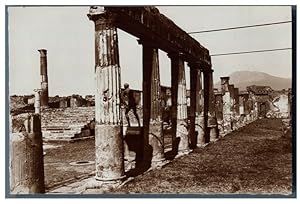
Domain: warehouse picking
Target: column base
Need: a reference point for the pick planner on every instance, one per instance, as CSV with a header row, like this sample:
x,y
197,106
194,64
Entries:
x,y
156,141
110,179
199,128
202,145
182,133
159,164
109,153
183,152
213,133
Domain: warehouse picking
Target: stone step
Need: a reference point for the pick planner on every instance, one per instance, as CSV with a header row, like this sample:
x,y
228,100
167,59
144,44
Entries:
x,y
64,124
67,123
74,128
60,135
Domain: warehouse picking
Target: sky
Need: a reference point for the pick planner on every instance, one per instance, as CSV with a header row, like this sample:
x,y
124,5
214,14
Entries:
x,y
68,35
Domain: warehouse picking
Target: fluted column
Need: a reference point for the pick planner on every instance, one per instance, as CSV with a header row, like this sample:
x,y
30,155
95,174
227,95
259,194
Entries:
x,y
108,134
206,93
193,102
180,102
212,120
199,121
44,78
152,117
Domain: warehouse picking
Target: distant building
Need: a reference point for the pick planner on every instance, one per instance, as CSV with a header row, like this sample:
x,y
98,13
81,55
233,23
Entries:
x,y
260,95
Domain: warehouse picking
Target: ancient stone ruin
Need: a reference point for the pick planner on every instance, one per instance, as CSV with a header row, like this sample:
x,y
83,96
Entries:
x,y
197,116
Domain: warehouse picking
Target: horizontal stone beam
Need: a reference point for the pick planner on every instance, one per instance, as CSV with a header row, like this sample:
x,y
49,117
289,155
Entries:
x,y
148,23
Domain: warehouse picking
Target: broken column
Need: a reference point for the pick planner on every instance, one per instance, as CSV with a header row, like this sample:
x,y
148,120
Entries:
x,y
37,101
212,121
152,112
26,164
226,104
179,102
108,130
44,77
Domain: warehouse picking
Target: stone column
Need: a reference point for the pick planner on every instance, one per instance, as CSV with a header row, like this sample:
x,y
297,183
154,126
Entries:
x,y
212,120
226,104
200,124
152,112
37,101
241,104
180,102
206,93
219,112
232,102
242,109
26,164
108,128
193,102
236,101
236,108
44,77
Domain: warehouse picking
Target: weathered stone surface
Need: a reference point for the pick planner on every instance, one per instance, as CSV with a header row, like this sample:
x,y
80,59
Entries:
x,y
227,111
109,152
200,129
108,120
156,141
148,22
26,157
180,102
37,101
213,132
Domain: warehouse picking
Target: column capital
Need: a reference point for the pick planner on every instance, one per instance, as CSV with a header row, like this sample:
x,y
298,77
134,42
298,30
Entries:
x,y
101,17
147,43
95,12
43,52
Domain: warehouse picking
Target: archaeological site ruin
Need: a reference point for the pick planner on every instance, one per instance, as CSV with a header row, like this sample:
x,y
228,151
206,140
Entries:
x,y
174,120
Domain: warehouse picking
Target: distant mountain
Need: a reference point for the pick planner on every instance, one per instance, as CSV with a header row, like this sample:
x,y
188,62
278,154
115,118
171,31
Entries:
x,y
242,79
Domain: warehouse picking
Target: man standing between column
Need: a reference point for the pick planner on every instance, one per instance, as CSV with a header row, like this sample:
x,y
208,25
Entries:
x,y
129,102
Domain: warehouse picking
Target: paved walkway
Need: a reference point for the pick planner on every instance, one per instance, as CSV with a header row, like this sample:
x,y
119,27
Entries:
x,y
255,159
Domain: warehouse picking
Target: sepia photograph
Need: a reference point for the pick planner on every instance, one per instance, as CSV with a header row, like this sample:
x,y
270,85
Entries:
x,y
150,101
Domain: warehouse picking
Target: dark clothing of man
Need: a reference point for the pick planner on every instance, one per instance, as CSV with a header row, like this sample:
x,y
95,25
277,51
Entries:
x,y
129,101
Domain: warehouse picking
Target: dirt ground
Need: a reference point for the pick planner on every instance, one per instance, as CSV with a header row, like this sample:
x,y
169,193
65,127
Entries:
x,y
256,159
58,170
